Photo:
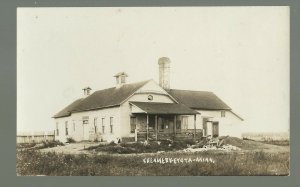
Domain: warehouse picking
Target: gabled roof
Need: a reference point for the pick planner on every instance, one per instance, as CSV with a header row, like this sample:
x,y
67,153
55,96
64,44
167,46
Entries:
x,y
116,95
164,108
103,98
121,74
67,111
199,99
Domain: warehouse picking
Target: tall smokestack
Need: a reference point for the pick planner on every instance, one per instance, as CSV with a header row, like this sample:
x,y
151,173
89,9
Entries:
x,y
164,72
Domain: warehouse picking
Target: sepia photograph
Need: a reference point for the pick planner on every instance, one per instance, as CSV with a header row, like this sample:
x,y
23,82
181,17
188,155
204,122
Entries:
x,y
153,91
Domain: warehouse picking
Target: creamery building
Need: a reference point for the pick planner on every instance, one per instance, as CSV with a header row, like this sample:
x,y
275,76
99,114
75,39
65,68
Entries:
x,y
146,111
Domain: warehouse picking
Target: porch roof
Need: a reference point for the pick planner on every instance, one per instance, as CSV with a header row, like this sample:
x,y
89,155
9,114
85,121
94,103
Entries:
x,y
164,108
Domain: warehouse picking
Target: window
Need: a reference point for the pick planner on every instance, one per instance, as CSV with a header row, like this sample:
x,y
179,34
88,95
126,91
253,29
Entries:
x,y
122,79
132,124
74,125
95,125
57,130
111,124
66,125
85,120
184,122
103,126
222,113
150,97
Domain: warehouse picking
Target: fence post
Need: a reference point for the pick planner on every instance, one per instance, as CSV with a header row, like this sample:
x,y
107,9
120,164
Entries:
x,y
32,137
147,127
156,128
194,127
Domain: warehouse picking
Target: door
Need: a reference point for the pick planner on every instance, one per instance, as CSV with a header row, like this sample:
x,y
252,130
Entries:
x,y
209,128
132,124
151,122
86,130
215,129
165,124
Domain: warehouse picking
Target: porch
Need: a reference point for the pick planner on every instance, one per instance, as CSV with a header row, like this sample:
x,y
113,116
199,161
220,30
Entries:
x,y
184,134
162,121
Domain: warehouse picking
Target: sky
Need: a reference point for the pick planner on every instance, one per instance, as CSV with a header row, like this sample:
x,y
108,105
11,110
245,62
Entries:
x,y
239,53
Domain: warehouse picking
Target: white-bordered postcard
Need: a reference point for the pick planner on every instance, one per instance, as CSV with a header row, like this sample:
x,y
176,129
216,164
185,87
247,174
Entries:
x,y
153,91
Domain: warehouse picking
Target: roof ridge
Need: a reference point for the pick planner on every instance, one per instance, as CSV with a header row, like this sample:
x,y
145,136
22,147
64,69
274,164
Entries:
x,y
145,81
153,102
122,85
192,90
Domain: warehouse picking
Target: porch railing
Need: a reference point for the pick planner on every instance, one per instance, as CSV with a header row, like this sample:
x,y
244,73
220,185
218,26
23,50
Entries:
x,y
180,134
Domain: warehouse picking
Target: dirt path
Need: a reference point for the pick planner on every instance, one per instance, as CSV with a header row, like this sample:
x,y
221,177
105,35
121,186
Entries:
x,y
73,148
250,145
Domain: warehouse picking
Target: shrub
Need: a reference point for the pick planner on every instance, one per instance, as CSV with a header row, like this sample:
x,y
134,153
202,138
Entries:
x,y
112,143
70,140
138,147
26,145
189,141
46,144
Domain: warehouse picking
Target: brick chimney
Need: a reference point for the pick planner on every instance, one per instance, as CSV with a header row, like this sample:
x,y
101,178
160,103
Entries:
x,y
87,91
120,79
164,72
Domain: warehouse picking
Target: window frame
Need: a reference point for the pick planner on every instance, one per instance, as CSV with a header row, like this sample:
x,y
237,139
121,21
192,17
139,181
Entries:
x,y
57,129
150,97
133,119
95,125
122,81
66,128
103,125
223,113
111,120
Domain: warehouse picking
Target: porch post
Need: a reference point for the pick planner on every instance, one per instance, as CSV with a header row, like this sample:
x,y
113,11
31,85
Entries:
x,y
156,128
147,127
175,125
194,126
135,134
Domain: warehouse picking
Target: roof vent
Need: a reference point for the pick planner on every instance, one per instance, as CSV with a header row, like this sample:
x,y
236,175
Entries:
x,y
87,91
121,78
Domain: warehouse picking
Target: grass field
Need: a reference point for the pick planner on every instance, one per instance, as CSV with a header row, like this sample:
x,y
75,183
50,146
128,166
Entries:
x,y
255,159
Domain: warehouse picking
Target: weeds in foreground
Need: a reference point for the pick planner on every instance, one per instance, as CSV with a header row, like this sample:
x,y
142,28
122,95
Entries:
x,y
44,144
33,162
